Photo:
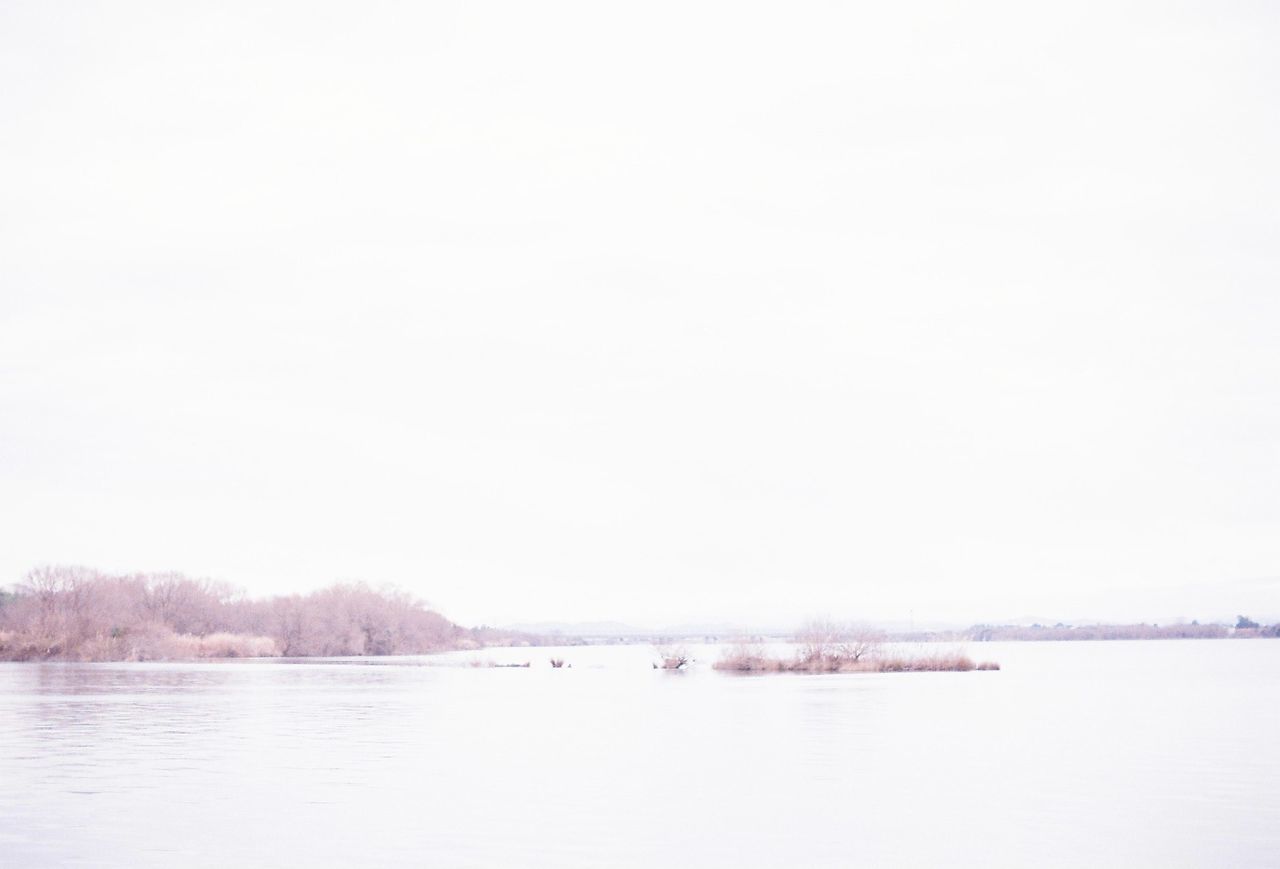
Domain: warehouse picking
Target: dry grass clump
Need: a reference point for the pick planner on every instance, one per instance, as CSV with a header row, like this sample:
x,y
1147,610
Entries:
x,y
149,642
225,645
159,643
951,662
749,658
25,647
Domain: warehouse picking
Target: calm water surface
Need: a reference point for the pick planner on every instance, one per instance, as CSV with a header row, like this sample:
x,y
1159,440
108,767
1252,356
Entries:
x,y
1075,754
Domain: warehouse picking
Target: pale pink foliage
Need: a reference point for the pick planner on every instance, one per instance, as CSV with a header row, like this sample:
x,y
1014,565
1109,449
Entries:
x,y
80,614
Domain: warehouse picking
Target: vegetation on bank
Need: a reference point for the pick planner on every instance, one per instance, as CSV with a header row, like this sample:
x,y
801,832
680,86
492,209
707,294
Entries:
x,y
1244,628
78,614
827,647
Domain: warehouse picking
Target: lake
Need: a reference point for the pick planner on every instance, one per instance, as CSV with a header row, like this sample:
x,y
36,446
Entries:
x,y
1160,753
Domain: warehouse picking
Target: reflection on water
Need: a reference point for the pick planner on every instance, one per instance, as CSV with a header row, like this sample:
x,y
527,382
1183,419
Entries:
x,y
1115,754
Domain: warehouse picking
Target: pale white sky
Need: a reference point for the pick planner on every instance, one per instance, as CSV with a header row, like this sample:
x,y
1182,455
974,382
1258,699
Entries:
x,y
656,312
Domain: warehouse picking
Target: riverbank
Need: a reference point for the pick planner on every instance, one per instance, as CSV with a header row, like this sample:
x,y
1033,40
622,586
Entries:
x,y
80,614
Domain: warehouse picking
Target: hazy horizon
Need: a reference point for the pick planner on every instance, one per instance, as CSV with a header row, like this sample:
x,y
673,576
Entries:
x,y
1204,603
674,313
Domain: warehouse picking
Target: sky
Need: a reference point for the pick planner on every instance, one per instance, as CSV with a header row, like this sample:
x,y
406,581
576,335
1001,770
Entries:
x,y
656,312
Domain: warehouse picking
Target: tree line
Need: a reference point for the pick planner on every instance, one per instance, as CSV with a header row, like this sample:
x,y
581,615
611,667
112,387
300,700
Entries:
x,y
1191,631
76,613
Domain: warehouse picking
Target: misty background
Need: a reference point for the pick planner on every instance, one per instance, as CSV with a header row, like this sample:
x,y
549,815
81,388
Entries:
x,y
666,313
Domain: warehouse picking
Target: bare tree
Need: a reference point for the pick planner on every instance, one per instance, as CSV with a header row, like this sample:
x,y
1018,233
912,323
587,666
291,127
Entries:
x,y
673,657
76,613
826,644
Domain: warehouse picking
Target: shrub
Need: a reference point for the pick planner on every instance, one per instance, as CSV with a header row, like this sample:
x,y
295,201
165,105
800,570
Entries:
x,y
673,658
743,659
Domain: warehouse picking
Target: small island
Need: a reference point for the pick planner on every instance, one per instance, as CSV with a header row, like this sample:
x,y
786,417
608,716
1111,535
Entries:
x,y
823,646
